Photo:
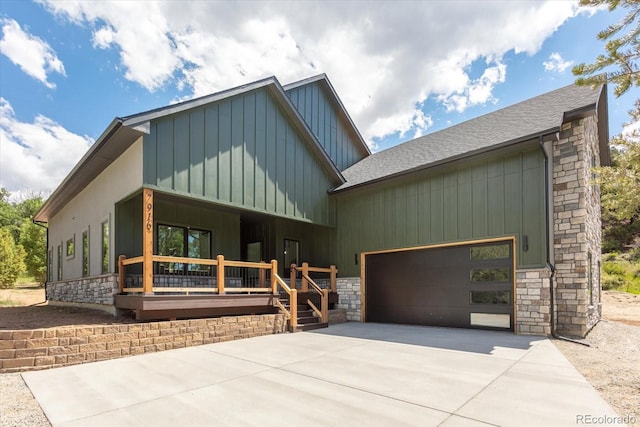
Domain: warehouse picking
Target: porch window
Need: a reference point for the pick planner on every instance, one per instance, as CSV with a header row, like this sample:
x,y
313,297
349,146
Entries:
x,y
183,242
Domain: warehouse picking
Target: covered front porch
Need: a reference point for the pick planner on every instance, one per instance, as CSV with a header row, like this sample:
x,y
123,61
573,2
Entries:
x,y
170,272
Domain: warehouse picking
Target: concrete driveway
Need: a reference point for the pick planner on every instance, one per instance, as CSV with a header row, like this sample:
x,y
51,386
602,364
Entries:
x,y
351,374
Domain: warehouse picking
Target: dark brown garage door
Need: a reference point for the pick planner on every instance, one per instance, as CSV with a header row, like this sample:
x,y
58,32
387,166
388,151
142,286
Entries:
x,y
466,286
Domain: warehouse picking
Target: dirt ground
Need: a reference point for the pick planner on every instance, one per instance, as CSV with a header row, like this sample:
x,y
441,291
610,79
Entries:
x,y
609,360
25,307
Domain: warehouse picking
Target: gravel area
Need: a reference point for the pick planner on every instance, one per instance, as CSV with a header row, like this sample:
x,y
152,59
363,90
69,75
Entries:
x,y
18,408
611,364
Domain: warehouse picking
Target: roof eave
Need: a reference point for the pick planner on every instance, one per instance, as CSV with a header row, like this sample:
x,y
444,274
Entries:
x,y
451,159
75,180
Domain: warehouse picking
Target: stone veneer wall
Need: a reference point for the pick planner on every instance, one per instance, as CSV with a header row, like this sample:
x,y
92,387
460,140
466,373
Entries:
x,y
348,289
533,302
88,290
51,348
576,222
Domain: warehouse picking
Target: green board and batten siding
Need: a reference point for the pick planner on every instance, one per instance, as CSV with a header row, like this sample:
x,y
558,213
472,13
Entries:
x,y
224,226
327,124
502,196
241,152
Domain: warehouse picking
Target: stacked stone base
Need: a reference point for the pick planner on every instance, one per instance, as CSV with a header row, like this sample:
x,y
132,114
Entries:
x,y
348,289
533,302
50,348
89,290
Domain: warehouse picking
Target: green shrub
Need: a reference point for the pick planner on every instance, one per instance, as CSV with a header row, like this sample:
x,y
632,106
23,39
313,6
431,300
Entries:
x,y
614,268
11,259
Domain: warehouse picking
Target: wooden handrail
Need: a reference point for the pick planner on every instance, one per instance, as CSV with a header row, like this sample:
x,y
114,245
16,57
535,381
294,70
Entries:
x,y
292,313
129,261
305,269
323,313
184,260
314,308
283,284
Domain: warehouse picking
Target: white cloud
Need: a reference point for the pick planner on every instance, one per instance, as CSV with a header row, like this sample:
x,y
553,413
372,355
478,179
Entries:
x,y
36,155
384,58
556,63
32,54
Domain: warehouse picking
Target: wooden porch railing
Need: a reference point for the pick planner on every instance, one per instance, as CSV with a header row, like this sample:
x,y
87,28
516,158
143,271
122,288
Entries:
x,y
323,312
220,263
263,283
292,313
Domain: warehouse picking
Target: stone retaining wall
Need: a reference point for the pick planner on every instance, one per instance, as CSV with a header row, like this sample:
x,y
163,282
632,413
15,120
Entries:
x,y
89,290
55,347
348,289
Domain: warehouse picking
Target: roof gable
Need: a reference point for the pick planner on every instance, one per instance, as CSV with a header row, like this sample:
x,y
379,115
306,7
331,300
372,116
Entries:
x,y
123,132
321,108
541,115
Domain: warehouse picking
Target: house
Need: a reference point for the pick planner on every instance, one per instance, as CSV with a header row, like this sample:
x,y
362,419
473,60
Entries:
x,y
201,208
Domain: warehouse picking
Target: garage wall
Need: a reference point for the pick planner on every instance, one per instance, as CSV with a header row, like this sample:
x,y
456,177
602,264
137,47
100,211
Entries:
x,y
498,196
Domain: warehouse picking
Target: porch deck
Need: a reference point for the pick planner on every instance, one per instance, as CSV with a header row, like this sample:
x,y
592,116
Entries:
x,y
154,307
220,287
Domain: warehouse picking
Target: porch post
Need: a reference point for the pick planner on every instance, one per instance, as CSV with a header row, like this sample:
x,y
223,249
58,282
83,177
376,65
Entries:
x,y
147,242
305,274
334,272
292,276
220,274
121,273
274,273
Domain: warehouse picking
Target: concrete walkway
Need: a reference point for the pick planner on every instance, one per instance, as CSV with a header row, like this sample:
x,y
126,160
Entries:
x,y
351,374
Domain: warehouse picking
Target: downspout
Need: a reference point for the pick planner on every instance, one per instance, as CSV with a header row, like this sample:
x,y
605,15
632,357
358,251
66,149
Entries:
x,y
46,279
550,255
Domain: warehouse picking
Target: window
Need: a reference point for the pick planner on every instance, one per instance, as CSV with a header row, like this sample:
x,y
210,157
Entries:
x,y
59,262
50,264
70,247
490,297
85,253
490,275
105,247
183,242
490,252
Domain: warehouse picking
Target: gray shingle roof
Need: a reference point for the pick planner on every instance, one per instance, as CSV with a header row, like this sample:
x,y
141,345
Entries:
x,y
536,116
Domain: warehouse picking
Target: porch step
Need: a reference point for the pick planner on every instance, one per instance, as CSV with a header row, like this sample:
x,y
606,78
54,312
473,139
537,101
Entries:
x,y
311,326
306,318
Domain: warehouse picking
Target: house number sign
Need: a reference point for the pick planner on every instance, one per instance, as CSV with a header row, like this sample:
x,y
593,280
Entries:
x,y
148,210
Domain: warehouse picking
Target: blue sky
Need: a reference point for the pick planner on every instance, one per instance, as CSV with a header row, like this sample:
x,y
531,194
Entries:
x,y
402,69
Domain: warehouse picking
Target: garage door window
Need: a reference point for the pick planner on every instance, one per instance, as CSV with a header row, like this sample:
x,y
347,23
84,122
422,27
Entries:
x,y
490,320
490,275
490,297
490,252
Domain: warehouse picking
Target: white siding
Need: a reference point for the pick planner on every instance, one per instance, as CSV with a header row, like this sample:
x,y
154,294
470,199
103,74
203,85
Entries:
x,y
91,207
